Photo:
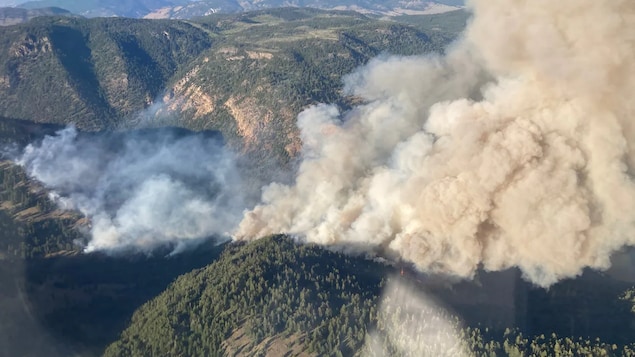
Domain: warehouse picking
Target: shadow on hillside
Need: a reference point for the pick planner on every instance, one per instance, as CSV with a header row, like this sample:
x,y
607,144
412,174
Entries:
x,y
77,305
587,306
79,66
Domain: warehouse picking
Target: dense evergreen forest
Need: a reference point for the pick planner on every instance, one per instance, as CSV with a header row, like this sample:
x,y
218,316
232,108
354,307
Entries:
x,y
221,72
274,294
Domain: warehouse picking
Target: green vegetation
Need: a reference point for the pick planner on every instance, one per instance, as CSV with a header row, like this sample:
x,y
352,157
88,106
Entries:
x,y
268,295
54,300
274,293
185,9
91,73
31,225
270,287
446,24
267,66
76,305
247,75
126,8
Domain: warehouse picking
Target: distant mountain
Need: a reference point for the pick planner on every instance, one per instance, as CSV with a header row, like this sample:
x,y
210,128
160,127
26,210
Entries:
x,y
106,8
103,68
183,9
390,8
12,15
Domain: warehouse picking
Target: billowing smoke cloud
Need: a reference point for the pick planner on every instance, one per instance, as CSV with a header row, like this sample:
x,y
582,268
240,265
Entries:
x,y
515,149
142,189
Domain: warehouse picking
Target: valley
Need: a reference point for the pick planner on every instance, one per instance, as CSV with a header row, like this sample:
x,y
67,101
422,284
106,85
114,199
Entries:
x,y
186,9
135,111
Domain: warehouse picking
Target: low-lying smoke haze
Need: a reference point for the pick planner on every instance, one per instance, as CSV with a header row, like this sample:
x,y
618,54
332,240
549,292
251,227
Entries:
x,y
515,149
142,189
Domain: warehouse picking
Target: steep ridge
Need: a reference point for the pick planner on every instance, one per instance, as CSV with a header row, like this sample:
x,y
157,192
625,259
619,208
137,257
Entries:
x,y
90,73
247,75
56,300
274,297
267,66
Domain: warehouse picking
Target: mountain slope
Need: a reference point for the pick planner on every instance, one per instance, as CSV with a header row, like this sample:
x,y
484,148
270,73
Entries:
x,y
92,73
267,66
56,301
13,15
273,297
269,287
247,75
32,225
387,8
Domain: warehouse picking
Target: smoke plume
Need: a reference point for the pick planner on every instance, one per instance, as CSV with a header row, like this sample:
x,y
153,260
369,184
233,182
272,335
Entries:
x,y
142,189
514,149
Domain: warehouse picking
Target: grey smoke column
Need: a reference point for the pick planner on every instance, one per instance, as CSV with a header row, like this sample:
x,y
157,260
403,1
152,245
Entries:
x,y
450,170
142,189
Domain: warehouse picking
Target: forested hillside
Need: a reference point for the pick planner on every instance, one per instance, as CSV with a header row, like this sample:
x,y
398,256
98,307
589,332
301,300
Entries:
x,y
32,225
56,300
93,73
105,8
386,8
12,15
247,75
274,298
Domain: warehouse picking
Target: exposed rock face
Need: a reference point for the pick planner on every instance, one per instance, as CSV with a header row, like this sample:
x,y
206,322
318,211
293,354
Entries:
x,y
190,98
250,118
4,82
31,46
259,55
187,96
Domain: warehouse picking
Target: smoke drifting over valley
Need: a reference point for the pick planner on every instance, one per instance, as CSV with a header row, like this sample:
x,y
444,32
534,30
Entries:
x,y
142,189
515,149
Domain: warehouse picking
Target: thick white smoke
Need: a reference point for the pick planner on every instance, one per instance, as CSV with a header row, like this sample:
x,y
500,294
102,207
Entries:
x,y
515,149
142,189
